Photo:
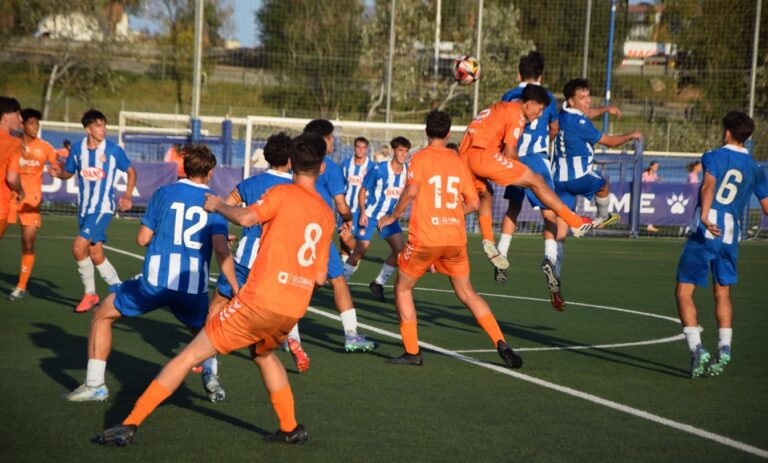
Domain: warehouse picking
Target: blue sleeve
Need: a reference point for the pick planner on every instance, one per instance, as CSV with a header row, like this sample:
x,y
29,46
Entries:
x,y
761,183
509,96
219,225
552,109
243,192
589,132
151,216
336,184
709,164
73,159
123,163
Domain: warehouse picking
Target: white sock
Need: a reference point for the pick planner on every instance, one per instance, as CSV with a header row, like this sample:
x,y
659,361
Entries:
x,y
503,246
560,257
85,269
385,273
602,205
294,333
211,364
349,321
108,272
550,251
693,336
349,270
724,337
94,375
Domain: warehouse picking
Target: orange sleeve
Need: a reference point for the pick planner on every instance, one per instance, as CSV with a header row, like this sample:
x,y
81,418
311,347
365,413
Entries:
x,y
16,151
468,189
51,155
267,206
415,171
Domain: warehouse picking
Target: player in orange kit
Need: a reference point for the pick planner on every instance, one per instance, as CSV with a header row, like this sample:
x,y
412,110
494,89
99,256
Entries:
x,y
31,164
441,189
10,151
293,257
489,148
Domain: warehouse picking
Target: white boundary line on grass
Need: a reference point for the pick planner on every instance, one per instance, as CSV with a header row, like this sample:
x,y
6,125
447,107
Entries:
x,y
727,441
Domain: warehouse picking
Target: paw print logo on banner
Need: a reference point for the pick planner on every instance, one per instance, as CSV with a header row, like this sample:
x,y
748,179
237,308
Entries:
x,y
677,203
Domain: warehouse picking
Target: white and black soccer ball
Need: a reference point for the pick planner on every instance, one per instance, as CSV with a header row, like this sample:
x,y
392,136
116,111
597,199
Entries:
x,y
466,70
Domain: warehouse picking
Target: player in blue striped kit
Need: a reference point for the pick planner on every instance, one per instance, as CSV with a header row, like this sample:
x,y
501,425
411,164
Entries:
x,y
380,191
354,171
731,177
96,162
180,236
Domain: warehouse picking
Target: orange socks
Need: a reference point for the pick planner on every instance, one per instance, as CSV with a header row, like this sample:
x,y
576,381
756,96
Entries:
x,y
486,227
570,217
410,338
282,402
491,327
27,262
147,403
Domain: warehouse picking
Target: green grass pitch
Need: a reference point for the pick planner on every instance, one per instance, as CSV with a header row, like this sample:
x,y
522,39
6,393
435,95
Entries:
x,y
604,381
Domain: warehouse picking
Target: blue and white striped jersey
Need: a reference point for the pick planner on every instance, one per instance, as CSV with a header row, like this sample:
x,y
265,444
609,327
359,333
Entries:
x,y
330,182
354,174
251,190
535,139
96,172
180,251
737,177
383,187
574,145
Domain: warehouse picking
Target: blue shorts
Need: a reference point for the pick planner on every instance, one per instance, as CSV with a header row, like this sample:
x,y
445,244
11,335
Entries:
x,y
136,297
366,234
223,286
335,266
355,216
539,164
585,186
93,227
699,258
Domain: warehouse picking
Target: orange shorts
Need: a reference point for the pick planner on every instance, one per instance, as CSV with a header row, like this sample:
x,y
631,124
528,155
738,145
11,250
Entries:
x,y
415,260
28,215
239,325
490,164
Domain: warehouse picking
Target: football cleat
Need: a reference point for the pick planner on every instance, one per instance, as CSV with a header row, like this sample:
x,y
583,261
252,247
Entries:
x,y
508,355
85,393
699,360
553,283
88,302
500,275
407,359
298,436
120,435
497,259
586,226
718,364
357,342
378,291
212,386
300,358
607,221
16,294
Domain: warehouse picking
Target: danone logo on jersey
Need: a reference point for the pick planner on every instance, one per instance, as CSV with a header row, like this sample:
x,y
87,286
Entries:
x,y
92,174
355,180
393,192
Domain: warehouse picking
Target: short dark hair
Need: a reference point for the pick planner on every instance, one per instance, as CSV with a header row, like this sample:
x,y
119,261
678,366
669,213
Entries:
x,y
322,127
362,139
536,93
66,143
91,116
400,141
308,153
278,149
739,124
9,105
573,85
531,66
438,124
29,113
198,160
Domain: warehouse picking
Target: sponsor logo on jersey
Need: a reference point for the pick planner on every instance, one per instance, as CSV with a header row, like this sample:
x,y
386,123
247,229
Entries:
x,y
29,162
355,180
93,174
393,192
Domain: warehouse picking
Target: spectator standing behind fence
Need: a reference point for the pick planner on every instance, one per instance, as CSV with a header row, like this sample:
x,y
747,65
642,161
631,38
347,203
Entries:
x,y
651,175
693,171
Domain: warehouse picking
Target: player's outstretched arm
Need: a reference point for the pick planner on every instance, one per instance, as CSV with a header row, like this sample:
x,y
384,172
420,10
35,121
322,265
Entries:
x,y
126,202
707,197
55,170
242,216
225,260
617,140
592,113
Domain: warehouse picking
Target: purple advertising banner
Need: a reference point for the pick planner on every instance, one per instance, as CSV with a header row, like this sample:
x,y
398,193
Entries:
x,y
150,177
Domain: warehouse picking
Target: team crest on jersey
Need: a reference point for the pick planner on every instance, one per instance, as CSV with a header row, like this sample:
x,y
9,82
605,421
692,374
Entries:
x,y
102,159
93,174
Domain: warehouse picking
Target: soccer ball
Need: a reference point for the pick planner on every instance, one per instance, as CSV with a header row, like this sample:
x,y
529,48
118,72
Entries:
x,y
466,70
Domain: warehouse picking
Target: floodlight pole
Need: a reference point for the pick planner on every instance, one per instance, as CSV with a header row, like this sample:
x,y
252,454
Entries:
x,y
477,53
610,64
585,58
197,73
391,57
